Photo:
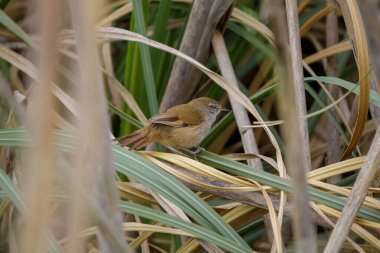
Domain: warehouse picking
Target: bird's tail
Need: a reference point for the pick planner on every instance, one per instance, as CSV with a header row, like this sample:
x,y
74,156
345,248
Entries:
x,y
134,140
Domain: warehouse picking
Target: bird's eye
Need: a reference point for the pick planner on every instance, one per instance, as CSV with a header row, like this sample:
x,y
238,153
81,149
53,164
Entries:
x,y
213,106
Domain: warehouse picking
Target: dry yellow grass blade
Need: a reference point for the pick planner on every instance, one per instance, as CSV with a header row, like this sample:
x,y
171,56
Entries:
x,y
132,192
359,230
274,220
237,212
134,226
141,239
333,50
247,20
267,123
229,217
246,187
227,206
127,97
303,5
356,32
28,68
366,235
336,168
369,201
325,218
243,156
200,168
315,18
358,221
118,13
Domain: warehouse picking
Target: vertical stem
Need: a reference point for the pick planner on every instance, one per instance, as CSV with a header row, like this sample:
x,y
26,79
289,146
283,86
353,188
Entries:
x,y
292,109
332,38
241,115
297,78
40,172
95,186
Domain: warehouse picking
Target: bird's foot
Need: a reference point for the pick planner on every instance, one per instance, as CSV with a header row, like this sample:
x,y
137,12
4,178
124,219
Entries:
x,y
195,152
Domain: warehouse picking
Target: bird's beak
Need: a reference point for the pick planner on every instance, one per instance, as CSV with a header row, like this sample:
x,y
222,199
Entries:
x,y
224,110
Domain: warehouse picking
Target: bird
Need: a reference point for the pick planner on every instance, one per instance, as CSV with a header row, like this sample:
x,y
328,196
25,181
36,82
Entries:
x,y
183,126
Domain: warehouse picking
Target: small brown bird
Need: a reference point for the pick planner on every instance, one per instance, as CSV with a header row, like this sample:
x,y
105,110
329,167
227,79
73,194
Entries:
x,y
182,126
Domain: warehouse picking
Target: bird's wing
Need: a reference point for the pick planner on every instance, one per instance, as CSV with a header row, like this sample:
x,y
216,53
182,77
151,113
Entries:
x,y
178,116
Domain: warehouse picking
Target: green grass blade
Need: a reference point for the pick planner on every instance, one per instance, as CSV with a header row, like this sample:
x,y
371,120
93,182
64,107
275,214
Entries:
x,y
253,39
14,194
145,59
374,96
6,21
150,175
161,34
239,169
133,79
125,116
329,114
4,3
200,232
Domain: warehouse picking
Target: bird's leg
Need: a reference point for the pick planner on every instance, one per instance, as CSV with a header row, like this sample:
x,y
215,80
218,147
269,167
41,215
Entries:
x,y
187,151
198,150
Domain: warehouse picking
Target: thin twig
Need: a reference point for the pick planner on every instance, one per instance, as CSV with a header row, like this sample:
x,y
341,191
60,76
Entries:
x,y
332,38
356,197
241,115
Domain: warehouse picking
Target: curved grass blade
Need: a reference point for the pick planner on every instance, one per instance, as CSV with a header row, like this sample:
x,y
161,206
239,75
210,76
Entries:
x,y
374,96
356,33
250,38
150,175
282,184
14,194
6,21
125,116
329,114
178,223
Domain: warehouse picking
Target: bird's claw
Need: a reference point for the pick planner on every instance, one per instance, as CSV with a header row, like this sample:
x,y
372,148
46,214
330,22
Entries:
x,y
195,152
